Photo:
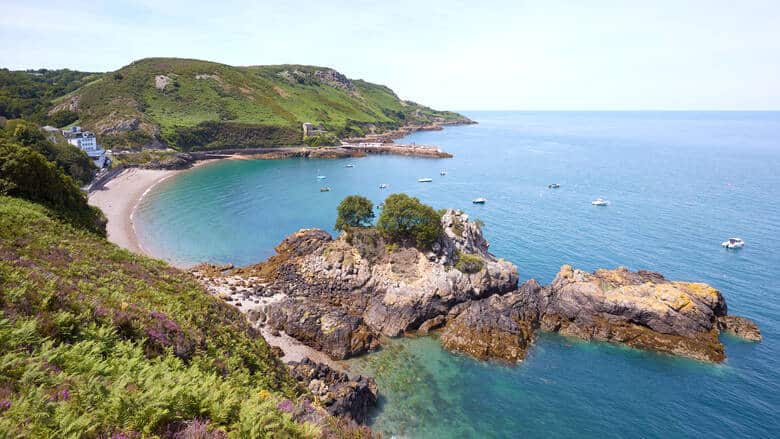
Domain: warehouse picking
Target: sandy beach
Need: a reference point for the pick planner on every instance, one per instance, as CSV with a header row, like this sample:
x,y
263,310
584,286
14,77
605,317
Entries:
x,y
119,198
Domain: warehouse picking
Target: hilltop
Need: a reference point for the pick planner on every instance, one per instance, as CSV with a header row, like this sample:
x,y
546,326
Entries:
x,y
192,104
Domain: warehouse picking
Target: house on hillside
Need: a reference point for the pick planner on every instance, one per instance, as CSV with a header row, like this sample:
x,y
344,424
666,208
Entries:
x,y
310,130
87,142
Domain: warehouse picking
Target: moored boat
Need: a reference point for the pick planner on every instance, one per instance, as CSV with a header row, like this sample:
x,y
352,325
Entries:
x,y
733,243
599,202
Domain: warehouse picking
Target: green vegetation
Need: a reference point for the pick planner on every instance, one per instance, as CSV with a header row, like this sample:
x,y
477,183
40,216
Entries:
x,y
26,173
321,140
354,211
67,157
98,342
405,219
29,94
192,104
468,263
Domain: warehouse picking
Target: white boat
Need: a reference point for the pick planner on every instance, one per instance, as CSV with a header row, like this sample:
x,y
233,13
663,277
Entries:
x,y
600,202
443,172
320,177
350,165
478,201
384,186
733,243
424,180
325,189
554,186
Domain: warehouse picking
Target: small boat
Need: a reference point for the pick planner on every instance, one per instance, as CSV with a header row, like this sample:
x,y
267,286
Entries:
x,y
319,176
325,189
424,180
443,172
478,201
384,186
600,202
350,165
733,243
554,186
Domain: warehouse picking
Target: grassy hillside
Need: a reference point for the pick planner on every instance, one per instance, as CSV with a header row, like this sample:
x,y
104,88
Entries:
x,y
98,342
193,104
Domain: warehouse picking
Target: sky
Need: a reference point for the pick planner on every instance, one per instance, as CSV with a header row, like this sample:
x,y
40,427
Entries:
x,y
455,55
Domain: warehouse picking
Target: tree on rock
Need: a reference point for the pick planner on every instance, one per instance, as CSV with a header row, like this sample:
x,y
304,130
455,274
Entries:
x,y
405,219
354,211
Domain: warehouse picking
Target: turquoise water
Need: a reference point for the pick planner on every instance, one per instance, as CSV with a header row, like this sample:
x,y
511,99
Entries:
x,y
679,183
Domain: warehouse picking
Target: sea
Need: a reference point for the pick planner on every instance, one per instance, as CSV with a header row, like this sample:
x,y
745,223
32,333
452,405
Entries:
x,y
678,184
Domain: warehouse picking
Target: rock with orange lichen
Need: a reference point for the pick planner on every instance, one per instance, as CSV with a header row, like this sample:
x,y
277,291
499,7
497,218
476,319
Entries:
x,y
640,309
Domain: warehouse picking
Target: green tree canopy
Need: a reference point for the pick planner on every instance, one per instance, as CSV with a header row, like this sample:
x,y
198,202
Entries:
x,y
26,173
354,211
405,219
69,158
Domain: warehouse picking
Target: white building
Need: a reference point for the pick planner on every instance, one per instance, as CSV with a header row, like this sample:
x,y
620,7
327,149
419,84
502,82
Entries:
x,y
87,142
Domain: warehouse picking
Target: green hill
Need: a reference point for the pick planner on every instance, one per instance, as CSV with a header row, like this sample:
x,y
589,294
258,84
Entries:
x,y
98,342
191,104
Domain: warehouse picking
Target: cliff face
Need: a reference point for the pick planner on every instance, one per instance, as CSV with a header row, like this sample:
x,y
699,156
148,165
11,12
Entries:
x,y
640,309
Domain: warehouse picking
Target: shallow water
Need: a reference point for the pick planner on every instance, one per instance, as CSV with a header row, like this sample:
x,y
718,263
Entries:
x,y
679,183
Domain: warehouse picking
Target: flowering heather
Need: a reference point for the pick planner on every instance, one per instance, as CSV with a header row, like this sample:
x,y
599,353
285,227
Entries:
x,y
286,406
4,405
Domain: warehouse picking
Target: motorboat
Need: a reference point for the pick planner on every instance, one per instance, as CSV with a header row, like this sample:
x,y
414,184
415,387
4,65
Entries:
x,y
478,201
600,202
733,243
325,189
554,186
349,165
424,180
384,186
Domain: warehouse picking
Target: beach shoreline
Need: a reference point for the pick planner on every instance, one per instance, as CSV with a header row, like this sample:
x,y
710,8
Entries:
x,y
119,197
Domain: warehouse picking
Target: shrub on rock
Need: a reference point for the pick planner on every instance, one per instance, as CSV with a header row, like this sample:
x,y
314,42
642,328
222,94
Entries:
x,y
405,219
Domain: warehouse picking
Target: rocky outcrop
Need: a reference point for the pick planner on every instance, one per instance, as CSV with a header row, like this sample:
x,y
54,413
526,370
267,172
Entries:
x,y
341,296
640,309
739,326
336,391
499,327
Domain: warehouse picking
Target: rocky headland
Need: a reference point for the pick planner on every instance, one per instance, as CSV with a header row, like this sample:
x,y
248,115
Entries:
x,y
344,296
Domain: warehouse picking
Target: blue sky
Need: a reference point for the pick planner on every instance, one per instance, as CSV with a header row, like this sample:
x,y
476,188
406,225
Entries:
x,y
462,55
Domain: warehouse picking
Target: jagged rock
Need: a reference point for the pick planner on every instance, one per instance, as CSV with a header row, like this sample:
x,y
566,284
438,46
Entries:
x,y
499,327
344,294
640,309
431,324
739,326
340,395
328,329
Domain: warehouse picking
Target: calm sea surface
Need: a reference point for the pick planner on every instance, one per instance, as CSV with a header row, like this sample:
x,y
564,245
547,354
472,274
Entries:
x,y
679,183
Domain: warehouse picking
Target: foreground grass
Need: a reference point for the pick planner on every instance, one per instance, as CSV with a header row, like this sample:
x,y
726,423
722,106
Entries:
x,y
98,342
